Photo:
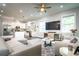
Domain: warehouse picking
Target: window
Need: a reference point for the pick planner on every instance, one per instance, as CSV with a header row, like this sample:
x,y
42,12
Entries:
x,y
68,23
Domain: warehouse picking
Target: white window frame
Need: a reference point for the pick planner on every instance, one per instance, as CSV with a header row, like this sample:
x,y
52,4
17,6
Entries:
x,y
72,14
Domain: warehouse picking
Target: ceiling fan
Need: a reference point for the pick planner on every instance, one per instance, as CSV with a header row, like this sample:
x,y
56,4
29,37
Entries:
x,y
43,7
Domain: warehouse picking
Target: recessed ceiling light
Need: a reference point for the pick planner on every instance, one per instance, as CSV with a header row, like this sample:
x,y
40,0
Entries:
x,y
31,15
2,11
3,4
61,6
0,15
20,11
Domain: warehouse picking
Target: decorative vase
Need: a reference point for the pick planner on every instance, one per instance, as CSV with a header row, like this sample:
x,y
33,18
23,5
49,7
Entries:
x,y
73,31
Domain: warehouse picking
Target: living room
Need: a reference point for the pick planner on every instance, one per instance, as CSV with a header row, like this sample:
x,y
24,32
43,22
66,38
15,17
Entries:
x,y
39,29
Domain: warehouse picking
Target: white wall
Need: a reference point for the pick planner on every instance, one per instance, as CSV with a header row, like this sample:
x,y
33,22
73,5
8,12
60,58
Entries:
x,y
1,27
14,24
77,22
58,16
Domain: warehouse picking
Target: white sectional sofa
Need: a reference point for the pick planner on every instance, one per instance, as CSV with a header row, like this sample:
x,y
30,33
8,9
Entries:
x,y
4,51
16,48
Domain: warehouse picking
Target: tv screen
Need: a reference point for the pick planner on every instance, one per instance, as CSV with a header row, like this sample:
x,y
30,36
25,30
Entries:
x,y
55,25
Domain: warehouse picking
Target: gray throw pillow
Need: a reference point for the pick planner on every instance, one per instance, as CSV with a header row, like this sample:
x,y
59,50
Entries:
x,y
74,40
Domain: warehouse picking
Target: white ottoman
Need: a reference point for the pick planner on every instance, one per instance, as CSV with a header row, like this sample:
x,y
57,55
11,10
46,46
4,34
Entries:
x,y
66,52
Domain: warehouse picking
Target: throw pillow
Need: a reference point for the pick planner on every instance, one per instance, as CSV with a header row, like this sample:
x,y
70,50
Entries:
x,y
74,40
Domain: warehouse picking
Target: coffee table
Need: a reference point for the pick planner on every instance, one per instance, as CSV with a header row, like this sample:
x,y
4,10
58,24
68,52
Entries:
x,y
49,50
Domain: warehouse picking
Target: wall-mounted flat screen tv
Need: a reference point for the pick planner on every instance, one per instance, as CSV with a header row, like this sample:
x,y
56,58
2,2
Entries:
x,y
55,25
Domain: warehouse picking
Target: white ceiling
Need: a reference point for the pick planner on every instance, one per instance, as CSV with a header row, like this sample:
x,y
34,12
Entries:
x,y
11,10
